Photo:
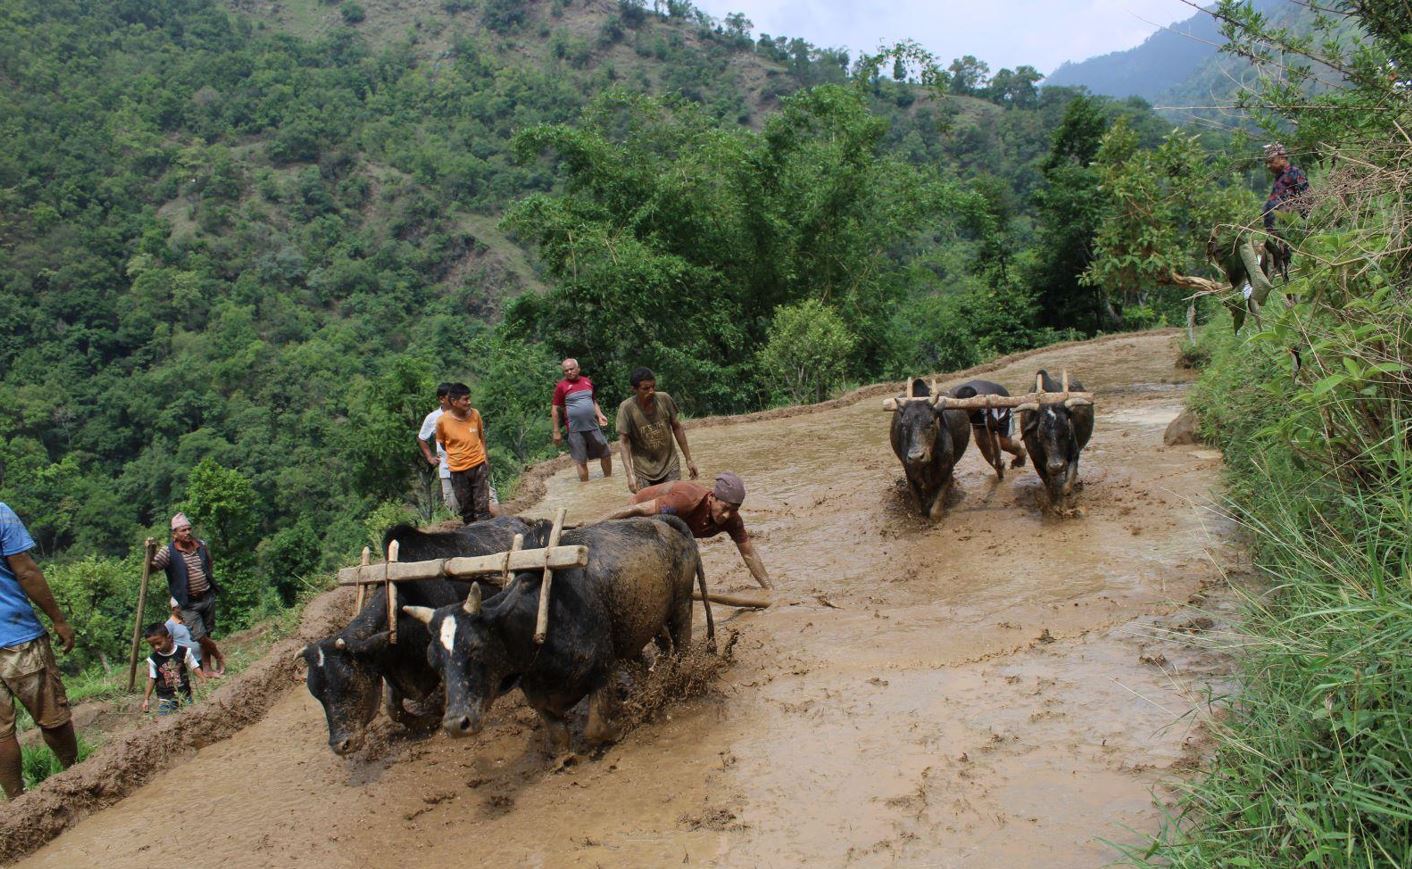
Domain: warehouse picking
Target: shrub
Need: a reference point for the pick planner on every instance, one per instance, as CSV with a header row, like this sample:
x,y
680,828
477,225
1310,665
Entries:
x,y
808,352
383,517
98,597
352,12
503,16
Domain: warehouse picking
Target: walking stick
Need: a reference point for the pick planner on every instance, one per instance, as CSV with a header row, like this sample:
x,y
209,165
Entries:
x,y
147,553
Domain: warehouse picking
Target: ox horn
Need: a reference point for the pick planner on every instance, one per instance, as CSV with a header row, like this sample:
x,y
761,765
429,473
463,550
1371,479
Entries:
x,y
422,614
340,644
1031,407
472,605
1076,402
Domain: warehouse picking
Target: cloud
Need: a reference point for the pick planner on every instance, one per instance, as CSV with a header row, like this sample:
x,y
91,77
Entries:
x,y
1000,32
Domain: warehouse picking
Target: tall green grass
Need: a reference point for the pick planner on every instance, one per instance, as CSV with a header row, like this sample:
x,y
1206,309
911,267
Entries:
x,y
1314,759
38,762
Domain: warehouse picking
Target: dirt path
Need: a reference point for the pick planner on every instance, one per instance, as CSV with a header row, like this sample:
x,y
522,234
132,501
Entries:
x,y
898,705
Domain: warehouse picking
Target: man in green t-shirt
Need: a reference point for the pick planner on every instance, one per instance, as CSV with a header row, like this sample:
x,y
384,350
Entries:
x,y
647,422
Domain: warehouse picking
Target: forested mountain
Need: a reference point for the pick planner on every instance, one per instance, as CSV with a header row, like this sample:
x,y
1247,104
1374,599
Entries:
x,y
1180,65
239,244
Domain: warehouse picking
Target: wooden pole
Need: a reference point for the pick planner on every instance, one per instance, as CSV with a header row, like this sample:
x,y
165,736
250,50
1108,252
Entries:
x,y
748,601
541,625
558,558
391,596
515,546
989,402
148,550
362,590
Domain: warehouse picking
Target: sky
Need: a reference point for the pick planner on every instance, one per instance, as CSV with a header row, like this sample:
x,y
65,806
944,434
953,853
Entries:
x,y
1003,33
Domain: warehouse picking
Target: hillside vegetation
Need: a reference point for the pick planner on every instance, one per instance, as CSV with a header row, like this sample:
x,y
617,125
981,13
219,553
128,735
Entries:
x,y
1312,407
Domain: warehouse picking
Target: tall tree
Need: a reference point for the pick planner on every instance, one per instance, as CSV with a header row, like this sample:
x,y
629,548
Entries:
x,y
1068,206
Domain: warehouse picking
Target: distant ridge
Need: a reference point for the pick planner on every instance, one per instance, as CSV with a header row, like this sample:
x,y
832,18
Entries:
x,y
1166,62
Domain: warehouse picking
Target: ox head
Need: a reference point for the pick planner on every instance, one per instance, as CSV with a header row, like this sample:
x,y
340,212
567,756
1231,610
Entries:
x,y
466,650
344,678
918,431
1057,435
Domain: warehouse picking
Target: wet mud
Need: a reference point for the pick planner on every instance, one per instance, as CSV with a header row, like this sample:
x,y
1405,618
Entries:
x,y
998,688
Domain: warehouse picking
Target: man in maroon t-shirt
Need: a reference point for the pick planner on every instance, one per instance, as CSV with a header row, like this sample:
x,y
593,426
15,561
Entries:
x,y
583,417
707,512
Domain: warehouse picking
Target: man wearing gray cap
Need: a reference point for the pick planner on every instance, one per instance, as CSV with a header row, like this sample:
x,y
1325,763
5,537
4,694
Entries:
x,y
707,512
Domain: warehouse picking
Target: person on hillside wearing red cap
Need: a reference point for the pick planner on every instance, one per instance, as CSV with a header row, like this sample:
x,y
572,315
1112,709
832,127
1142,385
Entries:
x,y
707,512
192,585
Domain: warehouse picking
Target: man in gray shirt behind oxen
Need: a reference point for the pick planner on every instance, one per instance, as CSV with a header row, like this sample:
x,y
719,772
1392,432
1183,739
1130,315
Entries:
x,y
576,395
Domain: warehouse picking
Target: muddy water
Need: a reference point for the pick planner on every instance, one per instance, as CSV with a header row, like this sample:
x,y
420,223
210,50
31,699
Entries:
x,y
996,689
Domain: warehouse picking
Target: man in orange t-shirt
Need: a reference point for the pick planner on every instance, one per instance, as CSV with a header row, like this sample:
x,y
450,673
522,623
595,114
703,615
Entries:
x,y
462,433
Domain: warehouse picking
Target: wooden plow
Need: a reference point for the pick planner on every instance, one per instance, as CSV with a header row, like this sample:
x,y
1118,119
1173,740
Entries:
x,y
1029,401
391,572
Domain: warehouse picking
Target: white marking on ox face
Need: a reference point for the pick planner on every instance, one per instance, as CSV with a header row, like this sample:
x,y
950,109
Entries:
x,y
448,632
321,656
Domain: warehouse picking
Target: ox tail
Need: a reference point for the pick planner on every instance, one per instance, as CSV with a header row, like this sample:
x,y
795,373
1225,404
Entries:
x,y
706,602
682,528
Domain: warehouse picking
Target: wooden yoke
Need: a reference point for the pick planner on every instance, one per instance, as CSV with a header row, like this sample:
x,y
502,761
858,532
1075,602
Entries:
x,y
541,624
988,402
466,567
549,559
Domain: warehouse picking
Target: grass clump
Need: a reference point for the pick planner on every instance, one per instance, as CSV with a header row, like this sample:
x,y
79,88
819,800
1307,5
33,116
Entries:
x,y
38,762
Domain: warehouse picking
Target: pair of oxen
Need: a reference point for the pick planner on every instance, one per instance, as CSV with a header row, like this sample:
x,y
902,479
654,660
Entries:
x,y
459,648
930,441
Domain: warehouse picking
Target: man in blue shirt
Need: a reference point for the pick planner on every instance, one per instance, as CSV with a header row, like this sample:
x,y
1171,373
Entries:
x,y
28,672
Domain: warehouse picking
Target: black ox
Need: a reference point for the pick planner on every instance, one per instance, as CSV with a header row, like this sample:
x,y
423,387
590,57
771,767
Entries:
x,y
350,671
637,582
1054,435
929,443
